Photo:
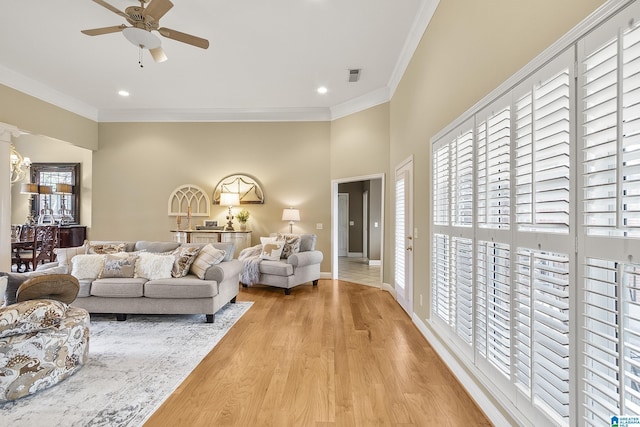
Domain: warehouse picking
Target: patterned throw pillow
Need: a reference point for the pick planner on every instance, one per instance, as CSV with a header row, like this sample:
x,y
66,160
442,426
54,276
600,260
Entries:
x,y
291,244
154,266
105,248
119,266
185,256
271,249
208,256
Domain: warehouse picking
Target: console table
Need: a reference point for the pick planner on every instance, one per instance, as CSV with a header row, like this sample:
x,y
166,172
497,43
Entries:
x,y
242,239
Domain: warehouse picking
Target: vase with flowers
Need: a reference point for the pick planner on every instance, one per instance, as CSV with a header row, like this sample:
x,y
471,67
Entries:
x,y
243,217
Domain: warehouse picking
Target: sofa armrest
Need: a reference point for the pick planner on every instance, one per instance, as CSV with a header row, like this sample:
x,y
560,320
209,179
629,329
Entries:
x,y
300,259
225,269
47,266
30,316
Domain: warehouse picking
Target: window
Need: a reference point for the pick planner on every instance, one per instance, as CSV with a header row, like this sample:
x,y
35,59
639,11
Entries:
x,y
65,207
540,228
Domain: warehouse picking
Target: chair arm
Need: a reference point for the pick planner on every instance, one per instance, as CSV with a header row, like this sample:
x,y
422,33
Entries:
x,y
300,259
30,316
225,269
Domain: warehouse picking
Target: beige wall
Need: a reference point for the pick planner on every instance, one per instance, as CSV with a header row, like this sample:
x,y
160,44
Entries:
x,y
469,48
40,118
139,165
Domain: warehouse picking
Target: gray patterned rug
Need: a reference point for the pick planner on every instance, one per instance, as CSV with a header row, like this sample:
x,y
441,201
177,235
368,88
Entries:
x,y
133,367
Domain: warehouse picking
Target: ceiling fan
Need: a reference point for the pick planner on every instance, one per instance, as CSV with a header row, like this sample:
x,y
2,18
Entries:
x,y
143,20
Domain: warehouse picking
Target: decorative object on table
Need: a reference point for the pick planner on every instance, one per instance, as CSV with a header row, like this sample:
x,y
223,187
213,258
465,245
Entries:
x,y
230,200
46,213
19,165
247,187
64,213
292,215
243,217
188,201
32,190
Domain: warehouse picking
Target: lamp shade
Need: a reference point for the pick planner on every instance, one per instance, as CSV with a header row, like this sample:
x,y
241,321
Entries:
x,y
45,189
63,188
229,199
29,188
291,214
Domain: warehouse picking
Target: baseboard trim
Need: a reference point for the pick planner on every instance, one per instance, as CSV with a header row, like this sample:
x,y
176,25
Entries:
x,y
375,262
387,287
354,255
493,412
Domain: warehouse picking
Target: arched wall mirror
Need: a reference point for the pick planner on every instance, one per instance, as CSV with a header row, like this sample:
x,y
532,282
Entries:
x,y
246,186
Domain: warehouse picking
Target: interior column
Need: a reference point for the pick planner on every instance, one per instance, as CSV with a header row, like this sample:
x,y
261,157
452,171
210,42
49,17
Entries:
x,y
6,133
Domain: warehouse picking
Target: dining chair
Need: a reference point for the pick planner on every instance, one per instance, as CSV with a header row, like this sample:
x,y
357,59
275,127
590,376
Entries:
x,y
47,239
23,251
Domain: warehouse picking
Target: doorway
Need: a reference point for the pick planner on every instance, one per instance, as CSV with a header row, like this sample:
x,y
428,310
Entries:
x,y
403,235
358,229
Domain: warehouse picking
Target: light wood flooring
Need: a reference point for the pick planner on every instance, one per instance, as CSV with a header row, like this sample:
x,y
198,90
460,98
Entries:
x,y
337,354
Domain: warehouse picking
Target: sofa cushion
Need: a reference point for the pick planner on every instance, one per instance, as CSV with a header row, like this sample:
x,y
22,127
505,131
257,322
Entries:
x,y
87,266
184,257
118,288
308,242
155,247
183,287
277,268
65,255
208,256
228,247
154,265
85,288
119,265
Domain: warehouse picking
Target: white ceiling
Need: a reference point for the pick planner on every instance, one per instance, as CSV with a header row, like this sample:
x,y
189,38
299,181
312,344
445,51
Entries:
x,y
265,61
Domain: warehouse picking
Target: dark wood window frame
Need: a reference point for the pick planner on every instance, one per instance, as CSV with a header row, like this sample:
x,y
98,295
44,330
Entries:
x,y
74,168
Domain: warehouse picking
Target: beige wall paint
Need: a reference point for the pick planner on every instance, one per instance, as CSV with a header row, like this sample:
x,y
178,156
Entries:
x,y
469,49
140,164
42,149
360,147
41,118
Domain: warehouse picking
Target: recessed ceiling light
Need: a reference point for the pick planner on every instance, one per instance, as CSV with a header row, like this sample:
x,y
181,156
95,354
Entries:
x,y
322,89
123,93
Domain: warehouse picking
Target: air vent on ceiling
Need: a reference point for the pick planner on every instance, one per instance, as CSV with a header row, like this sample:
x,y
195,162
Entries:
x,y
354,75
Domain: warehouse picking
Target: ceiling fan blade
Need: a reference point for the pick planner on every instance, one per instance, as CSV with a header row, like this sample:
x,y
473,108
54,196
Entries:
x,y
184,37
158,54
111,8
104,30
157,8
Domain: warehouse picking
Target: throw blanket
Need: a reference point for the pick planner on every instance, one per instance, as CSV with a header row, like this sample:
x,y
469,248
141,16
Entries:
x,y
250,258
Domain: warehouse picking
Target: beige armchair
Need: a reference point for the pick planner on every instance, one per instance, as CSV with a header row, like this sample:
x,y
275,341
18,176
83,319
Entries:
x,y
42,341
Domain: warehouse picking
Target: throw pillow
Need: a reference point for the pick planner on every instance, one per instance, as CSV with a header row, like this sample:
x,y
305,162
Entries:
x,y
65,255
185,256
154,266
208,256
116,265
291,244
105,248
88,266
272,250
14,280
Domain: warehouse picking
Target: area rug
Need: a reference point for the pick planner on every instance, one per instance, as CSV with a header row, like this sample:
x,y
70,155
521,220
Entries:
x,y
133,367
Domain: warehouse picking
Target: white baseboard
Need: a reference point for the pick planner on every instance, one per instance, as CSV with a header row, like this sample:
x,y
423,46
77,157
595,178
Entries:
x,y
354,255
387,287
375,262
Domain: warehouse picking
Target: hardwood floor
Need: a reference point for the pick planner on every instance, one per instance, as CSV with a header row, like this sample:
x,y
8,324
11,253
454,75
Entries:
x,y
336,354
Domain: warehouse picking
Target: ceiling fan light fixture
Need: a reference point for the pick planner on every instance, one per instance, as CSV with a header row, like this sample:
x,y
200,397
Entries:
x,y
141,38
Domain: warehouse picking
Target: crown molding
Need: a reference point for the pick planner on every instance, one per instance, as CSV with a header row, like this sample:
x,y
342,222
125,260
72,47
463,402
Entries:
x,y
371,99
40,91
215,115
423,18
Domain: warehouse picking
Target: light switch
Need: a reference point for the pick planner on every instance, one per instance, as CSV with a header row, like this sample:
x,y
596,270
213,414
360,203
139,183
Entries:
x,y
319,226
375,225
352,223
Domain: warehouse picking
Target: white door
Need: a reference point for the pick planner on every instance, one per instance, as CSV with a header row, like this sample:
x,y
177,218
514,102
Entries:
x,y
343,223
403,255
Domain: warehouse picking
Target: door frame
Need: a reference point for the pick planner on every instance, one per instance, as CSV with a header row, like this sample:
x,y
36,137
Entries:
x,y
334,220
406,300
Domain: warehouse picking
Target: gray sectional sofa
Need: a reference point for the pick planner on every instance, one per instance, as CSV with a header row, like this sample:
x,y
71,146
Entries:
x,y
162,295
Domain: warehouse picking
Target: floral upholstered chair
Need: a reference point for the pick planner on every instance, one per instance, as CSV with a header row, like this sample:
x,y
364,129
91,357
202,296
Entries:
x,y
42,341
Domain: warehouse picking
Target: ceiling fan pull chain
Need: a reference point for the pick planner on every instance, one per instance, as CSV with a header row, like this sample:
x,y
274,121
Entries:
x,y
140,57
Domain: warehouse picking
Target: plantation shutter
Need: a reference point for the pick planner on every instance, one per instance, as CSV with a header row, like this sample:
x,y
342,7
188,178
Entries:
x,y
400,233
